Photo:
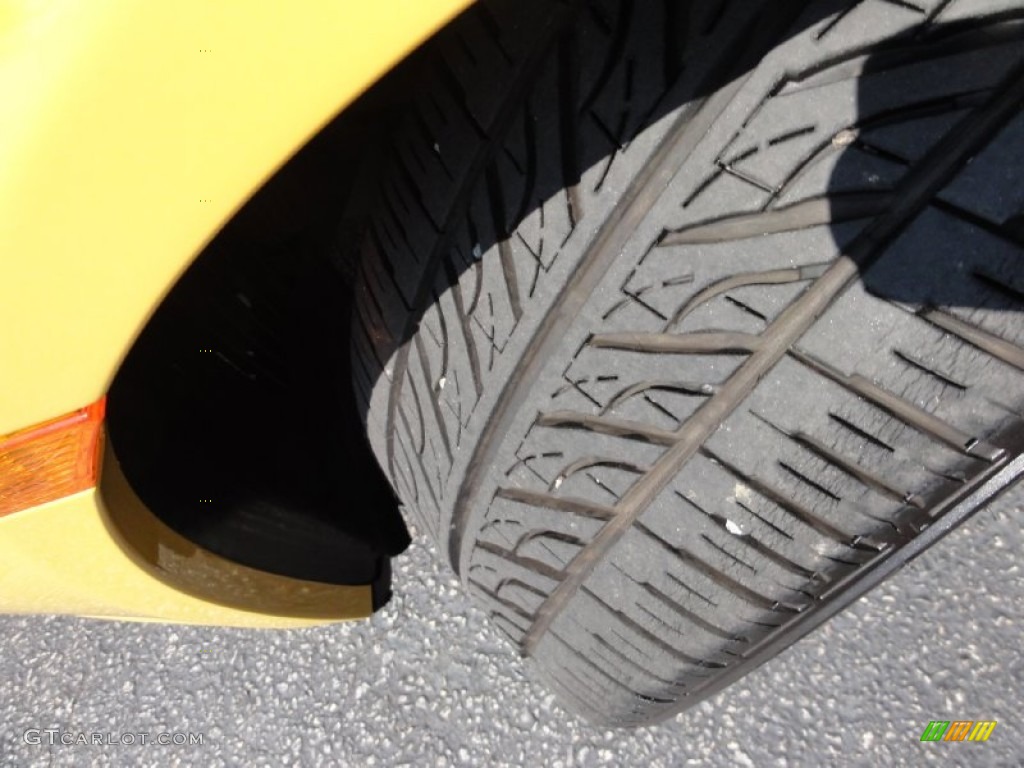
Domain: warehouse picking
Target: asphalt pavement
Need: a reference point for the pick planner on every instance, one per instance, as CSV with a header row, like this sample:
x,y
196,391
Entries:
x,y
427,682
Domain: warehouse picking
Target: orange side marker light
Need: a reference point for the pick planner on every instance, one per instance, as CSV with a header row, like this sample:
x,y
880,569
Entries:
x,y
50,460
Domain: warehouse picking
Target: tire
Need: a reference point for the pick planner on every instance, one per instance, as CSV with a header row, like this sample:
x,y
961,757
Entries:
x,y
678,326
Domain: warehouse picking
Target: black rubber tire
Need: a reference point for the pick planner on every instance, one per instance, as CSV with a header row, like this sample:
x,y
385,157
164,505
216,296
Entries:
x,y
677,322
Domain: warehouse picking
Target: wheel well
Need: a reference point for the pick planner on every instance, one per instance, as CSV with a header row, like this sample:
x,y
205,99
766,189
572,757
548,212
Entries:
x,y
233,416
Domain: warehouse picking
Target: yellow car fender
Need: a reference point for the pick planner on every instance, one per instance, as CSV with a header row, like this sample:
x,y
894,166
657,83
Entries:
x,y
131,132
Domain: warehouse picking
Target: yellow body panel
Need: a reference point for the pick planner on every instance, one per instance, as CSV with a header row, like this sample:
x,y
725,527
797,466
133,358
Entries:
x,y
130,132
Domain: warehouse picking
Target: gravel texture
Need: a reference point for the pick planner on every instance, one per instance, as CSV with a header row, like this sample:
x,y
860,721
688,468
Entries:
x,y
427,682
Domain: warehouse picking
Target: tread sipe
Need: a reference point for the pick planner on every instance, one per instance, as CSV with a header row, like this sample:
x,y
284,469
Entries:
x,y
680,324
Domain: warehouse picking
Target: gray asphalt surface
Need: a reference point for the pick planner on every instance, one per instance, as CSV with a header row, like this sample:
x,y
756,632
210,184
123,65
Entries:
x,y
427,682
